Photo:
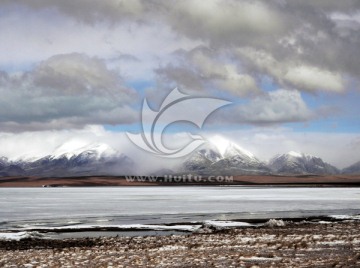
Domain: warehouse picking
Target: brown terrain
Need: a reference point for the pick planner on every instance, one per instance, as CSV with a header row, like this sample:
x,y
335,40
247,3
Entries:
x,y
301,180
304,244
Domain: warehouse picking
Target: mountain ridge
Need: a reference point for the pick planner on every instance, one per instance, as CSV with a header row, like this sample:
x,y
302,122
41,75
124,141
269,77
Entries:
x,y
217,157
300,163
93,159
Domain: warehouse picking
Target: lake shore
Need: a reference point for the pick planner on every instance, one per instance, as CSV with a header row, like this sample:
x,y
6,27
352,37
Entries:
x,y
302,244
246,180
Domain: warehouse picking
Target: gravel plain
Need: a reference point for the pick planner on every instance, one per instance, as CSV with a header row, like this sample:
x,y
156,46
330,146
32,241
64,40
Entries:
x,y
304,244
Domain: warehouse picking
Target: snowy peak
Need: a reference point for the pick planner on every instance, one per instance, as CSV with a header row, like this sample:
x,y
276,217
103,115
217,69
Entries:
x,y
203,158
93,150
72,158
219,143
295,154
220,156
235,150
210,151
300,163
227,148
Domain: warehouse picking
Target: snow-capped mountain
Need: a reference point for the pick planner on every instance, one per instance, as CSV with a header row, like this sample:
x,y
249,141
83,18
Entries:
x,y
67,160
3,162
8,168
220,156
93,150
299,163
353,169
201,160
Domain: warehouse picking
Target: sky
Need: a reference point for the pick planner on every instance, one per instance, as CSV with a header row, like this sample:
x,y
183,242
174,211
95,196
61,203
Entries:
x,y
80,70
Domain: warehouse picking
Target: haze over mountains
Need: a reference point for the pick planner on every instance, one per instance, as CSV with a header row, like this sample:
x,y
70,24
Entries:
x,y
217,157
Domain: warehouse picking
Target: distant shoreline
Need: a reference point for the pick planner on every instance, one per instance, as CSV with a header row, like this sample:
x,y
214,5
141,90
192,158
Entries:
x,y
245,180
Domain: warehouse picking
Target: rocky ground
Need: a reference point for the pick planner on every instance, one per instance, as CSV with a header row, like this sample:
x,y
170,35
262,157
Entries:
x,y
335,244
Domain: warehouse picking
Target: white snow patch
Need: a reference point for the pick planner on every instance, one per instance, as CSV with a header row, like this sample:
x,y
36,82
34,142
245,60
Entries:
x,y
274,223
323,222
75,147
345,217
73,222
332,243
20,235
67,149
187,228
223,145
169,247
295,154
226,224
254,258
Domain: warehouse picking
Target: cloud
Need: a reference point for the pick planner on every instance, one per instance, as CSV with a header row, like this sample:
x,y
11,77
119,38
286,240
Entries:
x,y
313,78
89,12
309,46
276,107
65,91
294,33
328,5
201,69
76,73
293,74
223,21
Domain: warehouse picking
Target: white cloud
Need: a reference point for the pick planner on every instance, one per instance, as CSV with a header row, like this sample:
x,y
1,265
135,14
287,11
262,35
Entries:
x,y
312,78
201,69
35,39
65,91
272,108
225,75
90,12
76,73
216,20
300,44
296,74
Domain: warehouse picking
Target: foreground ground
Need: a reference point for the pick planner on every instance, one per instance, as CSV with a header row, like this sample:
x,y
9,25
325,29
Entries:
x,y
294,245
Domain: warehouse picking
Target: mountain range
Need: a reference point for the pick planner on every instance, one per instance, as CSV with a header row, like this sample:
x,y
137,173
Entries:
x,y
93,159
217,157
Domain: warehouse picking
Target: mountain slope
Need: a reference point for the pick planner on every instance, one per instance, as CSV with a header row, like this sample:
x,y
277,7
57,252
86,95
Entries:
x,y
353,169
299,163
92,159
223,157
200,160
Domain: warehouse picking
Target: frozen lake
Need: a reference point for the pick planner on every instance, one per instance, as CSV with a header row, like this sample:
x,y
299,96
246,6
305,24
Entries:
x,y
51,207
